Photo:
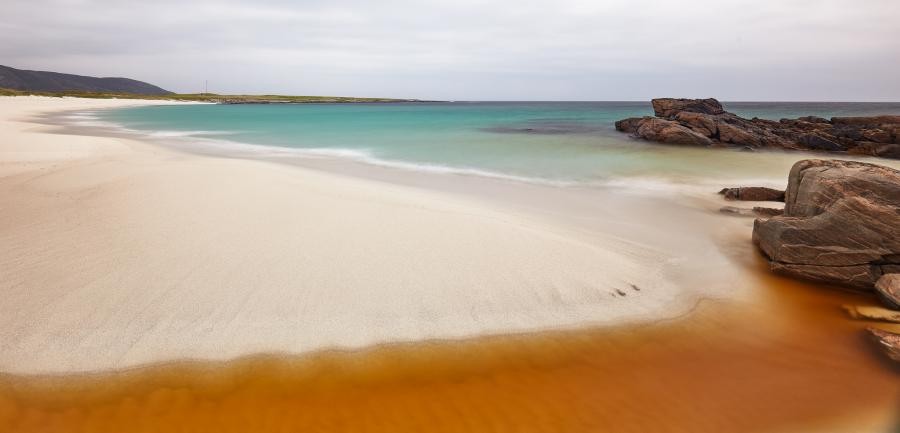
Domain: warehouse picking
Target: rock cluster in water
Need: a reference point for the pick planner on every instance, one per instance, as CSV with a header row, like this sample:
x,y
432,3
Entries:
x,y
703,122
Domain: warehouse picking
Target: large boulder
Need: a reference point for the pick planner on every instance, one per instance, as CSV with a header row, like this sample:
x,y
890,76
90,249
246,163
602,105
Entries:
x,y
841,224
669,107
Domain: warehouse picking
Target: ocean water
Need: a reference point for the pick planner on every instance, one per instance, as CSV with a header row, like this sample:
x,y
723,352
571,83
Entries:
x,y
553,142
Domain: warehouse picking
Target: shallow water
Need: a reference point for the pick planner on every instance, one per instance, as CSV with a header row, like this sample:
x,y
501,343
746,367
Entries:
x,y
556,142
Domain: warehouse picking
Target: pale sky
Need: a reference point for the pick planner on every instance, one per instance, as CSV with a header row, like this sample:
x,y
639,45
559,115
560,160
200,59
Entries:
x,y
472,50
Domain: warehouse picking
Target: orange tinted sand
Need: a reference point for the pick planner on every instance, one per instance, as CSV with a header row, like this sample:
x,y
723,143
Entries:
x,y
793,363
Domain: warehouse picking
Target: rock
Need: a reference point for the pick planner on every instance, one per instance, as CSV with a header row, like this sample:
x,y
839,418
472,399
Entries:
x,y
630,125
736,211
669,107
767,212
870,120
667,131
762,212
888,151
814,119
877,135
889,342
729,133
752,193
700,123
860,312
817,142
872,135
888,289
841,224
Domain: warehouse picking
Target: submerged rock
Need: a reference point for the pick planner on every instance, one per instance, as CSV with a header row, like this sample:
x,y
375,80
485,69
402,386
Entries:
x,y
752,193
761,212
889,342
685,121
888,288
767,212
872,313
841,224
737,211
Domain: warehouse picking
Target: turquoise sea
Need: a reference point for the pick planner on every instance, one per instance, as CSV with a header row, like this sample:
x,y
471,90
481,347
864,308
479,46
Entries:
x,y
561,142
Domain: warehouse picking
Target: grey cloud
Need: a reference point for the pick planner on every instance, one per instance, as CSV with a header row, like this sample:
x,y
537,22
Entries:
x,y
465,49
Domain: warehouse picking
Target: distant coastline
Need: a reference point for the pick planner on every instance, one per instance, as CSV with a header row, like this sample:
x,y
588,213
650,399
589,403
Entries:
x,y
212,98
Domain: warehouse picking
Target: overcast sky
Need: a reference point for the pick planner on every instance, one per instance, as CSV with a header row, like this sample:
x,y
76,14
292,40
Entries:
x,y
472,50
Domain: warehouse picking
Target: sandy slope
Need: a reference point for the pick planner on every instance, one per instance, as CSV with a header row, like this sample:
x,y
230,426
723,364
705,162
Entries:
x,y
117,253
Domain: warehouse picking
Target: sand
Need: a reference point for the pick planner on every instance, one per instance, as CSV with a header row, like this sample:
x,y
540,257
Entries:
x,y
118,253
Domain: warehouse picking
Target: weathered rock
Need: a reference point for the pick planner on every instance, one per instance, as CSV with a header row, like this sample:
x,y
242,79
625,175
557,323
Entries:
x,y
863,121
818,142
701,123
752,193
862,312
888,342
873,135
730,133
887,151
630,125
841,224
767,212
876,135
813,119
888,289
669,107
667,131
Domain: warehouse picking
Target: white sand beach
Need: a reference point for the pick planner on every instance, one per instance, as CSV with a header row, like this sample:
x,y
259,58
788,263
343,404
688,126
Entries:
x,y
118,253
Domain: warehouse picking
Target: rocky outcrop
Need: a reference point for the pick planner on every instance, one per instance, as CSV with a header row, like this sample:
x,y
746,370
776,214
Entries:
x,y
888,288
841,224
703,122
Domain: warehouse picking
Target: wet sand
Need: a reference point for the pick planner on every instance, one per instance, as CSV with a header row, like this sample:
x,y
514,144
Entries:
x,y
793,364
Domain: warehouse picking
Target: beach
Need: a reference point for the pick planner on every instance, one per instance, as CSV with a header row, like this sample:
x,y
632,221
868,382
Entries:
x,y
123,257
142,254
